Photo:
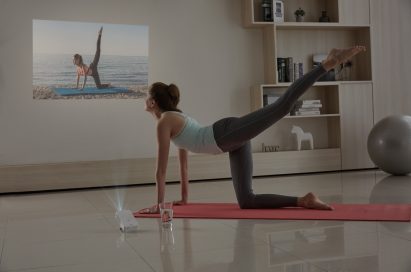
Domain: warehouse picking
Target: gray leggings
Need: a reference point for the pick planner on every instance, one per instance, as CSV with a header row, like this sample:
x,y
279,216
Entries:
x,y
233,135
93,65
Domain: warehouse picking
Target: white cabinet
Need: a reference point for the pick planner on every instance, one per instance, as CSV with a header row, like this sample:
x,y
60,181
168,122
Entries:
x,y
354,12
356,123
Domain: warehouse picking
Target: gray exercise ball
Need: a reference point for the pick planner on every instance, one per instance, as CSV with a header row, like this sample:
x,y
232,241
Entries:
x,y
389,144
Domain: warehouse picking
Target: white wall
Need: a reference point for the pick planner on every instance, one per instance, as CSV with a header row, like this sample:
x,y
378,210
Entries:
x,y
391,57
198,44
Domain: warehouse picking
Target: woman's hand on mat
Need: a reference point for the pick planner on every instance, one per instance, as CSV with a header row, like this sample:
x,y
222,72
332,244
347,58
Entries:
x,y
179,202
153,209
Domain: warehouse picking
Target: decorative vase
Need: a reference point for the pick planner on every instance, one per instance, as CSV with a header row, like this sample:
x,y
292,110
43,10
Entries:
x,y
299,18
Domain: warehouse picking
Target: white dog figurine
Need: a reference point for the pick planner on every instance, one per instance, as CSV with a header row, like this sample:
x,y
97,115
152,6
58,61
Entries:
x,y
302,136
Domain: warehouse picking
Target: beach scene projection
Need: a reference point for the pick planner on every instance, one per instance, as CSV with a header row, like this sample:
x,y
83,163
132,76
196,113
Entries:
x,y
76,60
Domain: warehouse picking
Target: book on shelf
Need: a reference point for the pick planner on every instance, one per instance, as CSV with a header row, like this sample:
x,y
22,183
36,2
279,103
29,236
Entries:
x,y
281,69
307,107
289,74
296,75
288,71
309,102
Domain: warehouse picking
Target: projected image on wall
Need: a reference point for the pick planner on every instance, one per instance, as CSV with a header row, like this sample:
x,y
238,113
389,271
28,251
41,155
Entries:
x,y
74,60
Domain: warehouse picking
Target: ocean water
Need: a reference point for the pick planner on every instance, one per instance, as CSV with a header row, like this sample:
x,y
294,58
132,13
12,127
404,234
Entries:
x,y
120,71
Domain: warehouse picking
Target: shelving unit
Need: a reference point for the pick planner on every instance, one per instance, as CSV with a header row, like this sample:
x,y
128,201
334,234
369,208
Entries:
x,y
336,129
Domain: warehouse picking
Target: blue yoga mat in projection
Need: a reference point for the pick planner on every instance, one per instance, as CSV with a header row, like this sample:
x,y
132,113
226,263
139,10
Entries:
x,y
89,90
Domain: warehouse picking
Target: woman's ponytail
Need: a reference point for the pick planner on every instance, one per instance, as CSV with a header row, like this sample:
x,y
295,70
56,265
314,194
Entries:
x,y
166,96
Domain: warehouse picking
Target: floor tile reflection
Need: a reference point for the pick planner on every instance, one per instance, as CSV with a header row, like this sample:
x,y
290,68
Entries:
x,y
77,231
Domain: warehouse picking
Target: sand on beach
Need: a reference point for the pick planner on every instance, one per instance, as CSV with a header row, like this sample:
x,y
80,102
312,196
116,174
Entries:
x,y
46,92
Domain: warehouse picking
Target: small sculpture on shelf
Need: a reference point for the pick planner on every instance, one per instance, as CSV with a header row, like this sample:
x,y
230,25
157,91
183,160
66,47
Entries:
x,y
299,15
302,136
324,18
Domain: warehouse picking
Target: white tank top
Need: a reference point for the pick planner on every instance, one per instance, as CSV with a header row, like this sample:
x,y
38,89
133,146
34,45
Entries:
x,y
196,138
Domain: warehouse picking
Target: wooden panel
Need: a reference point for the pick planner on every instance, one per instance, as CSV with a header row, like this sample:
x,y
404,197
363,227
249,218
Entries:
x,y
356,123
354,12
141,171
256,98
362,68
247,13
297,161
391,43
105,173
332,10
334,133
270,61
257,10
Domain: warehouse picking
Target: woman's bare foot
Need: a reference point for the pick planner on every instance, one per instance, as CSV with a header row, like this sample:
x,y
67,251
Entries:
x,y
310,201
337,56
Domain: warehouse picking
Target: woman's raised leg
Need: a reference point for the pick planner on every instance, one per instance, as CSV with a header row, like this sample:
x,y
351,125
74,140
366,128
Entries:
x,y
230,133
96,59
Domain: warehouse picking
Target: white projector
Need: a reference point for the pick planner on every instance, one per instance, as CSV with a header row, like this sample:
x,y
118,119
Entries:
x,y
127,221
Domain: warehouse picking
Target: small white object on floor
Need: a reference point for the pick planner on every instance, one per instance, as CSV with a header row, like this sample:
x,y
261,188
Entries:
x,y
127,221
302,136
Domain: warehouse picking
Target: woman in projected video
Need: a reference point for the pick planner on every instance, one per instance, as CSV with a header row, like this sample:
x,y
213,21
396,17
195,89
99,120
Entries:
x,y
91,70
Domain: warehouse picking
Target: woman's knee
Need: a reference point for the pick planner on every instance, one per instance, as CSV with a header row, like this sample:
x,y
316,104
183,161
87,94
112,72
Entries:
x,y
247,202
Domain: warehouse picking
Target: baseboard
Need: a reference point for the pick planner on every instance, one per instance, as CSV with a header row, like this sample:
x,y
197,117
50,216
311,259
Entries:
x,y
91,174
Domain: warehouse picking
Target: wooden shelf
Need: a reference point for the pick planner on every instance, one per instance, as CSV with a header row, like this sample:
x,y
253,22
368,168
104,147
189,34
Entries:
x,y
305,25
327,92
355,82
316,25
260,24
302,43
318,83
287,84
304,161
311,116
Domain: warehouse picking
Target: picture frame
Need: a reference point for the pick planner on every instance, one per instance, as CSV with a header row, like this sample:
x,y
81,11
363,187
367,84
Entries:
x,y
278,11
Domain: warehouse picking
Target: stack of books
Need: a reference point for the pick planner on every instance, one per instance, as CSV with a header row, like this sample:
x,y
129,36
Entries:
x,y
289,71
307,107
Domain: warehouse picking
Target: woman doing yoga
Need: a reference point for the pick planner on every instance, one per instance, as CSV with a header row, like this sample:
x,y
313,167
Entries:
x,y
230,135
91,70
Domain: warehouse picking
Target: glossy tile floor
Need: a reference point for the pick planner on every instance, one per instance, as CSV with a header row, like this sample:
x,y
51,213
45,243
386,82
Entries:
x,y
77,231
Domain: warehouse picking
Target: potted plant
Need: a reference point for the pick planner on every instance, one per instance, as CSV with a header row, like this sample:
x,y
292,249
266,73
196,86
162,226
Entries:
x,y
299,15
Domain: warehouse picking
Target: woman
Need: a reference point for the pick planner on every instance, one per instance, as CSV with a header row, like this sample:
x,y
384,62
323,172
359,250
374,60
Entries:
x,y
231,135
83,70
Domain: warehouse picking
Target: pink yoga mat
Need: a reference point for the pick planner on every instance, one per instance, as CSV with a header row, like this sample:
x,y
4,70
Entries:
x,y
356,212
